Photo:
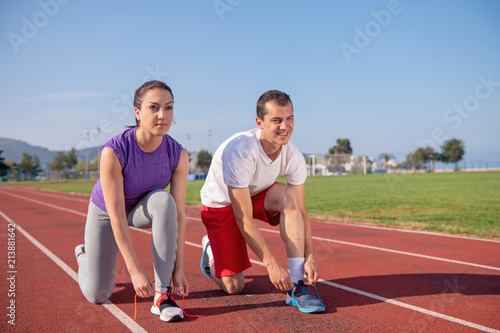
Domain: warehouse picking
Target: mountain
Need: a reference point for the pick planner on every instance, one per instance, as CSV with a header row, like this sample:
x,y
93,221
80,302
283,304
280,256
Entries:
x,y
13,150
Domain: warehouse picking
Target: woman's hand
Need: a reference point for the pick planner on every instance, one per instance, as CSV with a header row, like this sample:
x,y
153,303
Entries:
x,y
180,284
143,285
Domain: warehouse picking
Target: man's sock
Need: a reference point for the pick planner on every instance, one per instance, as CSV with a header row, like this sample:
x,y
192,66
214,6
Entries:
x,y
296,267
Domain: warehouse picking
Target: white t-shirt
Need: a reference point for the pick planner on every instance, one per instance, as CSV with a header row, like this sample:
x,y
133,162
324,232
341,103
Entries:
x,y
241,162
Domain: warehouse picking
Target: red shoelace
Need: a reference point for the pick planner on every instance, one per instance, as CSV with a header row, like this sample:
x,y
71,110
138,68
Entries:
x,y
163,295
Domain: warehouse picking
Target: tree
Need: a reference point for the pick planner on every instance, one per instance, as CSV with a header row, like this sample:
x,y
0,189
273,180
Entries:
x,y
71,160
421,156
386,157
343,147
29,164
452,151
410,162
204,160
4,168
433,156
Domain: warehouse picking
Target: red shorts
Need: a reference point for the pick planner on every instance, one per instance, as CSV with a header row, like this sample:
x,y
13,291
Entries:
x,y
228,245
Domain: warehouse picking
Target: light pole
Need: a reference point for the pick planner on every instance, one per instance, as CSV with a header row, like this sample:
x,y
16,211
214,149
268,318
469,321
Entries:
x,y
87,158
98,150
210,141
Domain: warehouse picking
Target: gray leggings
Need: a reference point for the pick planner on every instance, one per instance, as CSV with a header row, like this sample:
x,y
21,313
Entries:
x,y
97,270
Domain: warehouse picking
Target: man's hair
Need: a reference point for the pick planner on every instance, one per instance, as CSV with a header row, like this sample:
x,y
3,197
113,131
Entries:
x,y
276,96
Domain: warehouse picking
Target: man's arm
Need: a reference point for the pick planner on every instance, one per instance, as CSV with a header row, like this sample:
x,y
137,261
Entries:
x,y
242,206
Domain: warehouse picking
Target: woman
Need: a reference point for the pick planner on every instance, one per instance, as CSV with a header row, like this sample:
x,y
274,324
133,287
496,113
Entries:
x,y
136,167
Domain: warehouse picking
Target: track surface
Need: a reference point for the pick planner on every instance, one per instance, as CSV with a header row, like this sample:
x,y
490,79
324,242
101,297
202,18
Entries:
x,y
373,279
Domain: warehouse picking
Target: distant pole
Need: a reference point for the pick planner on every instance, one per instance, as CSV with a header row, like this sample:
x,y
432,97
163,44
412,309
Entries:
x,y
87,158
189,152
98,150
210,141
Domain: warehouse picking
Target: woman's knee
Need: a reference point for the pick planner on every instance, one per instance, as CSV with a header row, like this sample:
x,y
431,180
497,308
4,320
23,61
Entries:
x,y
98,297
161,198
161,204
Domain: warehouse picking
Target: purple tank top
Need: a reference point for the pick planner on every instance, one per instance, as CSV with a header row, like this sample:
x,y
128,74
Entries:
x,y
142,172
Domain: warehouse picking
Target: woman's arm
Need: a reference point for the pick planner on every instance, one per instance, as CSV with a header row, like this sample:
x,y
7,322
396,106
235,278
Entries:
x,y
112,189
178,191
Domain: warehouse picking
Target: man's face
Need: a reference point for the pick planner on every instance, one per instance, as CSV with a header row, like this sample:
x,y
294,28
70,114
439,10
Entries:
x,y
277,125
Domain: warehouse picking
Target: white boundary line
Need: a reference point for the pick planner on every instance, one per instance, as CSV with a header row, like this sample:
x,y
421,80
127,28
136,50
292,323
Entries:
x,y
347,224
316,238
336,285
398,252
396,229
112,308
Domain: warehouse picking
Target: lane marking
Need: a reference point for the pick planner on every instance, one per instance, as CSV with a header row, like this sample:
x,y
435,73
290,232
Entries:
x,y
112,308
347,224
410,307
314,237
336,285
397,252
380,298
368,226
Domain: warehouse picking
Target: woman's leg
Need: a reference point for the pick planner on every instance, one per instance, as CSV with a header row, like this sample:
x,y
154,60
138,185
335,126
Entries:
x,y
97,271
157,210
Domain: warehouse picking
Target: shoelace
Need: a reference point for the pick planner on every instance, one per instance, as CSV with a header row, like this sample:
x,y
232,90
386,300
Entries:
x,y
309,292
160,299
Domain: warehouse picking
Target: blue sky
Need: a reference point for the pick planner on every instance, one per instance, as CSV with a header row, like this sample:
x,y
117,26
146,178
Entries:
x,y
389,75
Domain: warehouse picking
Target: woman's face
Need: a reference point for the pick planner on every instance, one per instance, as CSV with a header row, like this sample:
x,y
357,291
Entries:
x,y
157,112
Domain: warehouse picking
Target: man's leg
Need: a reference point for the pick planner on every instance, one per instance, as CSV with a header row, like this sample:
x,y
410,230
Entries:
x,y
284,200
227,252
232,284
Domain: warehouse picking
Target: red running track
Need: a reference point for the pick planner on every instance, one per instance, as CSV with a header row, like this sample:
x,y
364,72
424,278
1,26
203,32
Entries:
x,y
373,279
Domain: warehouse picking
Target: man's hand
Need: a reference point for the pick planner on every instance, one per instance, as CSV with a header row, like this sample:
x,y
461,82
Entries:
x,y
310,271
279,276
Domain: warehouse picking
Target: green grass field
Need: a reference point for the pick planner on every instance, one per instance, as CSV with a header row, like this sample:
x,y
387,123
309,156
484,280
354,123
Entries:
x,y
454,203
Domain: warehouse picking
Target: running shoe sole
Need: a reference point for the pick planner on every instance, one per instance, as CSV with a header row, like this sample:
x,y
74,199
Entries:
x,y
204,264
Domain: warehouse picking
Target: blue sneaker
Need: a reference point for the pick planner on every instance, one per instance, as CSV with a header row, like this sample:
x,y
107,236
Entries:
x,y
205,262
301,297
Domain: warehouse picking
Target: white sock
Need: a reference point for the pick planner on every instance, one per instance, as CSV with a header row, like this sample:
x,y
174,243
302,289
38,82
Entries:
x,y
296,267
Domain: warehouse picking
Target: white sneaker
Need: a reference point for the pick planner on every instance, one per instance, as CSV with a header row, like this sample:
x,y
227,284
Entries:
x,y
79,252
165,306
205,259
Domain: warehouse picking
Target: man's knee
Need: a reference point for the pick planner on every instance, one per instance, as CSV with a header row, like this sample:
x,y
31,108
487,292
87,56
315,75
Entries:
x,y
291,202
234,288
233,284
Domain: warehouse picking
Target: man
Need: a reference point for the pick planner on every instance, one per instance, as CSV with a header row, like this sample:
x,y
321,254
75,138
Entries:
x,y
240,186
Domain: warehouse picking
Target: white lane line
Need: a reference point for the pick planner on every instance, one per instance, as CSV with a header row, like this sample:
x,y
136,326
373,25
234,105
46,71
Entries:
x,y
316,238
79,197
410,307
46,204
353,290
368,226
398,252
112,308
382,299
